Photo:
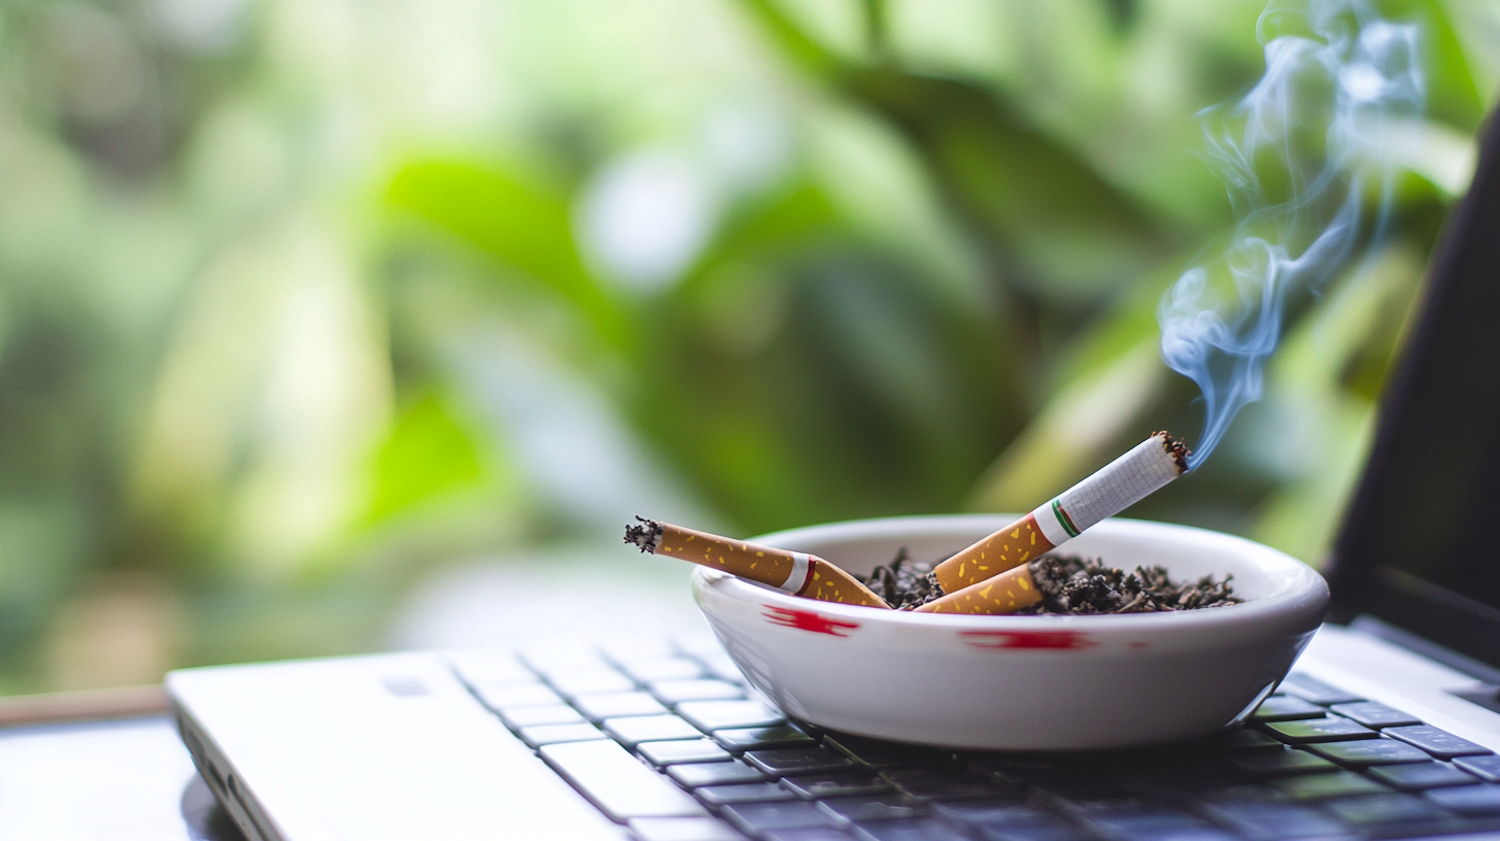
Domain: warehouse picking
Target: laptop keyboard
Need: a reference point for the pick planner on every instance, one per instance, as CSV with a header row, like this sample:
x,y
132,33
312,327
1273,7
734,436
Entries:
x,y
666,741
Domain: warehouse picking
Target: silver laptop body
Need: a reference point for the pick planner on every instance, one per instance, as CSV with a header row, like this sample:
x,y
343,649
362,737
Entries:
x,y
400,746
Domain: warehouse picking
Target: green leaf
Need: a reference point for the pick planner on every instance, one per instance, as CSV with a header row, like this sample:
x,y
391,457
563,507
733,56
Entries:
x,y
519,224
1452,94
428,455
1071,436
784,223
795,44
1021,190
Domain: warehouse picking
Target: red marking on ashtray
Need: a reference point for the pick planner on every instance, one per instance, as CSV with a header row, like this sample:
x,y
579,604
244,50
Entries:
x,y
1138,645
807,620
1028,639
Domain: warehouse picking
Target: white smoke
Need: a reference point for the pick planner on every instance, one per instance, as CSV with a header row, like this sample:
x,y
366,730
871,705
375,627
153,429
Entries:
x,y
1300,155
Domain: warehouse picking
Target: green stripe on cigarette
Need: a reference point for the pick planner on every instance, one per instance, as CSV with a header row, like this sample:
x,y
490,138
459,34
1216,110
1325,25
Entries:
x,y
1062,518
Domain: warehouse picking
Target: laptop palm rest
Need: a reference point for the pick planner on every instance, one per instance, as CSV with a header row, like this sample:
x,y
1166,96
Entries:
x,y
387,746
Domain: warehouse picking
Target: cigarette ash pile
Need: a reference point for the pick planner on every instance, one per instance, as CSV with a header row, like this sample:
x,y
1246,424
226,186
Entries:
x,y
904,583
1069,585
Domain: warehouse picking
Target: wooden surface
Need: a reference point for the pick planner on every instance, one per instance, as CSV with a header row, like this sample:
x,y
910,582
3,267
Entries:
x,y
88,705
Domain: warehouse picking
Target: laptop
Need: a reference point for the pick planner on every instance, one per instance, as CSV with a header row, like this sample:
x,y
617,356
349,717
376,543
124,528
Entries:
x,y
1388,726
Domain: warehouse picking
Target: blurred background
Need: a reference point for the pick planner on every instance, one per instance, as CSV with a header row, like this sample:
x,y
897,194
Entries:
x,y
338,325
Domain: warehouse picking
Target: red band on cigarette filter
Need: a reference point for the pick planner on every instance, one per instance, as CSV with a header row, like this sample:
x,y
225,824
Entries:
x,y
812,565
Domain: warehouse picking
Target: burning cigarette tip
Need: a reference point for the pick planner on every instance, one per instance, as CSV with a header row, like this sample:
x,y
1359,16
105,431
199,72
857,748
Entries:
x,y
646,536
1176,449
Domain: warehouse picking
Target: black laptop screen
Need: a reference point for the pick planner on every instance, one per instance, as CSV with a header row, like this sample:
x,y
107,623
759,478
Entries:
x,y
1420,546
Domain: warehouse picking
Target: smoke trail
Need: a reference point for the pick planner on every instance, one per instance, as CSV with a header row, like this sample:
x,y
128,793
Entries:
x,y
1299,156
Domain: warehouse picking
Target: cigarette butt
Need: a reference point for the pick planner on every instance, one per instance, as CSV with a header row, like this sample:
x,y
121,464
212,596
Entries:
x,y
1007,592
1010,547
1118,485
797,573
831,584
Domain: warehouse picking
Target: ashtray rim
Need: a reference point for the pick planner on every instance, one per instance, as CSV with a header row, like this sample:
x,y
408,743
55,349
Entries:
x,y
1300,582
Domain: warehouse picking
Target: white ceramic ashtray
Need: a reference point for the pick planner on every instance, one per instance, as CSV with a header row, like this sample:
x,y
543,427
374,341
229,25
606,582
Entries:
x,y
1020,682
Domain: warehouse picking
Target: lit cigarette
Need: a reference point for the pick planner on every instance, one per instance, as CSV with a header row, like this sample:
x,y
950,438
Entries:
x,y
797,573
994,576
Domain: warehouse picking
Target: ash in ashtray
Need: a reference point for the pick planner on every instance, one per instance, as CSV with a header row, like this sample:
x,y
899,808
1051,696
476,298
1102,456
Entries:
x,y
1069,584
904,583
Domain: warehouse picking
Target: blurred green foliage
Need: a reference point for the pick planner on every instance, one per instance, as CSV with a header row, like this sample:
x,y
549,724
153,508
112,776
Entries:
x,y
298,299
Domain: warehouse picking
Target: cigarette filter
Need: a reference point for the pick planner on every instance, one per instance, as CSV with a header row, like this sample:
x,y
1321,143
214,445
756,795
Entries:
x,y
797,573
1007,592
1147,467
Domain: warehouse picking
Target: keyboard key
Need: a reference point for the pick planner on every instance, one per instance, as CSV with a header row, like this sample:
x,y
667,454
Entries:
x,y
750,793
808,833
503,696
515,717
1091,793
590,682
1318,730
1191,833
921,829
836,784
714,774
997,812
1312,689
1186,780
1020,767
621,650
479,668
1053,830
1468,800
1277,763
552,657
1325,786
721,715
757,818
1487,768
1383,809
682,829
759,738
878,754
649,728
874,807
548,734
1150,821
680,751
698,645
618,705
1286,708
1439,743
947,784
671,692
1276,820
1425,776
662,668
781,762
1372,714
1368,752
1246,739
617,782
1163,827
1243,793
720,666
1198,833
